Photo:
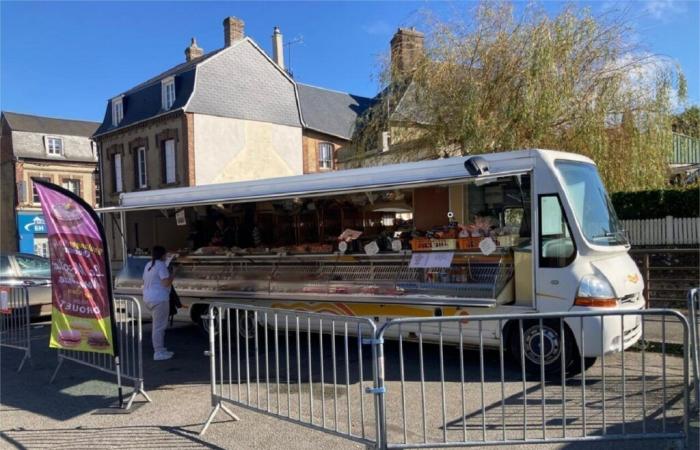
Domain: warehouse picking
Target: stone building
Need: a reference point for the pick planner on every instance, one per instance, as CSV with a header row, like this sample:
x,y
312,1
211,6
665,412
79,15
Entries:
x,y
400,138
57,150
231,114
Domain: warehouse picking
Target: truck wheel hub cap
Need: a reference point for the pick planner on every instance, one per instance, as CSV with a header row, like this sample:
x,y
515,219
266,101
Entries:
x,y
549,340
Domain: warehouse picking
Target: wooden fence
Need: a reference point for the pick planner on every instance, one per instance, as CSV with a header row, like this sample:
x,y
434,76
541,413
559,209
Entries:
x,y
666,231
668,274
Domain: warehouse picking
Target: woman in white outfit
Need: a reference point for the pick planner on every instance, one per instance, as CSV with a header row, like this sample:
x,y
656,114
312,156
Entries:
x,y
157,282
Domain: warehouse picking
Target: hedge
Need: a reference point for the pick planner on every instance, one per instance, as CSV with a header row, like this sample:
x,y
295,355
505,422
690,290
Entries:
x,y
657,203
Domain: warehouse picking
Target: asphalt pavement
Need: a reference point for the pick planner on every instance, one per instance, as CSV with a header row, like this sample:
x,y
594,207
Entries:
x,y
77,410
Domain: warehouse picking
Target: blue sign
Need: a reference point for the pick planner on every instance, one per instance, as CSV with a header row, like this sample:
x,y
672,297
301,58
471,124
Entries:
x,y
28,225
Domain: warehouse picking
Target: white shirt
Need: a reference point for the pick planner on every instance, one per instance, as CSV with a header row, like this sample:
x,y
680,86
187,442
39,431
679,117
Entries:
x,y
153,291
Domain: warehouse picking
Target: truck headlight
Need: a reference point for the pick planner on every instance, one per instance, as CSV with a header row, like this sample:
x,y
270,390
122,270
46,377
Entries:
x,y
596,292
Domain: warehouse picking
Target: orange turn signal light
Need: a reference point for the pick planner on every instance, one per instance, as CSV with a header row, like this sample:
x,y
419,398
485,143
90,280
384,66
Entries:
x,y
593,302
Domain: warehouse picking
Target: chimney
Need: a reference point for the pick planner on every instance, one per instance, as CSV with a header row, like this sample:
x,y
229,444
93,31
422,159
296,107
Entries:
x,y
193,51
278,47
233,30
406,50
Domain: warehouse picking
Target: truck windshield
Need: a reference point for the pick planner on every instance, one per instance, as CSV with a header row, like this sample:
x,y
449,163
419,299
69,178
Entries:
x,y
591,204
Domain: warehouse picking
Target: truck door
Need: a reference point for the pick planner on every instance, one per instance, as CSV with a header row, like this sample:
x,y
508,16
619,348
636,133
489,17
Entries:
x,y
555,284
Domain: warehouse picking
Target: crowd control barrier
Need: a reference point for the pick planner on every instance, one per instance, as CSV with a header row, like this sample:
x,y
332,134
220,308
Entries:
x,y
15,324
694,320
447,382
127,313
295,365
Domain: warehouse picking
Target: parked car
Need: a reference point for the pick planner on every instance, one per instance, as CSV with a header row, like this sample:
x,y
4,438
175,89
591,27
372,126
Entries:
x,y
32,272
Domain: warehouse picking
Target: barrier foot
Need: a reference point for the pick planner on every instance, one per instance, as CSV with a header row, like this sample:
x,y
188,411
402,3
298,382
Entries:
x,y
55,372
138,390
230,413
213,414
210,418
21,364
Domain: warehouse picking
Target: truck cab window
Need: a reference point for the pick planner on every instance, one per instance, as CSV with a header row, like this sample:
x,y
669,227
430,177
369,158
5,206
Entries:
x,y
557,248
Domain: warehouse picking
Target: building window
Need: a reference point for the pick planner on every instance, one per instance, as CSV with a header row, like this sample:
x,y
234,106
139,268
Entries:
x,y
118,181
72,185
54,146
325,155
117,111
169,164
142,179
168,92
35,194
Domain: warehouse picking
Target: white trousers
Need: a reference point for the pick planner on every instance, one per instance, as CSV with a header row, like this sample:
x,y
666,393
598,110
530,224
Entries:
x,y
159,312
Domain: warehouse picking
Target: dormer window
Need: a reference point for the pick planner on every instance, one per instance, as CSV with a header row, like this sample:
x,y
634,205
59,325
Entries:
x,y
168,92
117,110
54,146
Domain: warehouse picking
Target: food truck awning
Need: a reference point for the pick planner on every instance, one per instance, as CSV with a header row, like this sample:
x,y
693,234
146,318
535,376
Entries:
x,y
329,183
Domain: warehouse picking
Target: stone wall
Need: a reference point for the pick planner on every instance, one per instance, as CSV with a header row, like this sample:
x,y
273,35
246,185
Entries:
x,y
148,135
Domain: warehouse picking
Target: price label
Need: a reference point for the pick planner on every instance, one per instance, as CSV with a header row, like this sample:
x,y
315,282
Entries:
x,y
372,248
487,246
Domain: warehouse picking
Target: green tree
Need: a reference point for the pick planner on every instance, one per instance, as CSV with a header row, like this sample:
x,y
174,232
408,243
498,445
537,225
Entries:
x,y
492,81
688,122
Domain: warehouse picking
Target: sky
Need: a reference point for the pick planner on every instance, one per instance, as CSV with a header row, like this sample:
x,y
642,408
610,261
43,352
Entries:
x,y
66,59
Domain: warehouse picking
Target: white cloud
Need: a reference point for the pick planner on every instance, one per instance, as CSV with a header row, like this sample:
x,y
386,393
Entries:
x,y
377,28
663,9
642,71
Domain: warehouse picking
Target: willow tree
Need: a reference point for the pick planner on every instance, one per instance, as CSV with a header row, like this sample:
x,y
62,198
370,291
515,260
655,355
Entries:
x,y
495,80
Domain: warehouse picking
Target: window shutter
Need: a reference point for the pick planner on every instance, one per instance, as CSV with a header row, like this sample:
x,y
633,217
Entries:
x,y
170,173
163,163
21,191
118,180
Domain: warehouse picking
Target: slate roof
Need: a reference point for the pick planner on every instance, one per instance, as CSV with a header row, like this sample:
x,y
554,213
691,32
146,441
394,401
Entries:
x,y
243,82
143,101
49,125
331,112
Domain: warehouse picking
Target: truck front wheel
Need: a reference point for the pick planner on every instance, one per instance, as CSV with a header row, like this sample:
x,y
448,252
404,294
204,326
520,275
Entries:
x,y
542,342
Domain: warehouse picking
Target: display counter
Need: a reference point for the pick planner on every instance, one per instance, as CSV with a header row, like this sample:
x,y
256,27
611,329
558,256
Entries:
x,y
470,278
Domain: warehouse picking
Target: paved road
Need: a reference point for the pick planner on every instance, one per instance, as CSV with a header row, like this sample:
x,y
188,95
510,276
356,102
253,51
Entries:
x,y
74,413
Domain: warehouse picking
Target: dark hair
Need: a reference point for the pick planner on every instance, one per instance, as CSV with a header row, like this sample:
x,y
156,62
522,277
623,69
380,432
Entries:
x,y
157,253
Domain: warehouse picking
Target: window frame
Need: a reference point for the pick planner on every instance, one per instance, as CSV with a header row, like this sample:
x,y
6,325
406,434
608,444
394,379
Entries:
x,y
321,160
118,184
73,180
117,110
553,262
167,93
35,194
141,167
49,151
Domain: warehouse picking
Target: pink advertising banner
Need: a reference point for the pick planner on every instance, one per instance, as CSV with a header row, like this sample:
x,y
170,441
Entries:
x,y
81,286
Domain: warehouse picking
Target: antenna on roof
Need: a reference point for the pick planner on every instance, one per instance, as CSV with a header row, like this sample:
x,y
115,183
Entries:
x,y
297,40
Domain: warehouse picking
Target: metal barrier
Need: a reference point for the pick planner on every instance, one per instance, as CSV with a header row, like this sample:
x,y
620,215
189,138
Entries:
x,y
629,395
430,391
694,319
295,365
15,321
127,313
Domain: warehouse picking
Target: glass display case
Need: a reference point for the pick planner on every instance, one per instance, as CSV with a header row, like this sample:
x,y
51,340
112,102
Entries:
x,y
470,276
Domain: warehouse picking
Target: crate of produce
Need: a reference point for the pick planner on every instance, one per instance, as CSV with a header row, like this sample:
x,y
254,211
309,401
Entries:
x,y
429,245
468,243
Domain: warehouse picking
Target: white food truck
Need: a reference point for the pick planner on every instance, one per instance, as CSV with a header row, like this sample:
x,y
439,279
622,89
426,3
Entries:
x,y
507,233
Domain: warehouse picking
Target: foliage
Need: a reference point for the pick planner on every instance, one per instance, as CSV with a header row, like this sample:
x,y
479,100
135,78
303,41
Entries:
x,y
659,203
494,82
688,122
